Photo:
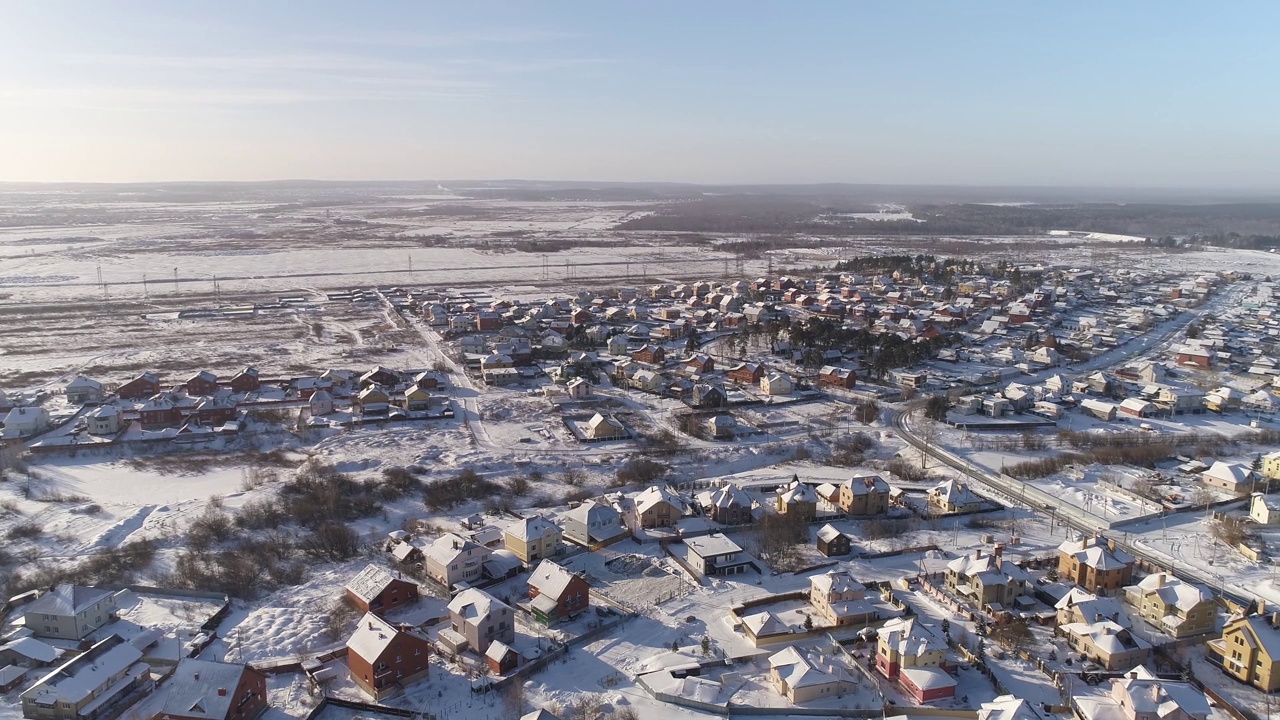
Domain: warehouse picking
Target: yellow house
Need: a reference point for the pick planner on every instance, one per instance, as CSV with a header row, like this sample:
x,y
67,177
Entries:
x,y
1249,651
1177,608
1271,465
532,539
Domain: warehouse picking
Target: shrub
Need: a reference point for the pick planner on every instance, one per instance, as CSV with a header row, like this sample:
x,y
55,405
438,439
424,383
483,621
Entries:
x,y
468,485
25,531
260,514
332,541
640,471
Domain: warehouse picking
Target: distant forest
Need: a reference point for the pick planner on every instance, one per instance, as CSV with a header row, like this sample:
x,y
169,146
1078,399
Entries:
x,y
1242,225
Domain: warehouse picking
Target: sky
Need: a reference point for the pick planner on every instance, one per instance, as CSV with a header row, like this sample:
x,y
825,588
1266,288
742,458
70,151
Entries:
x,y
1099,94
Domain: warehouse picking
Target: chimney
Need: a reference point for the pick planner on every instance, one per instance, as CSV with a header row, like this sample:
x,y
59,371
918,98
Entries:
x,y
197,676
977,553
1111,544
222,692
1097,617
998,551
1160,578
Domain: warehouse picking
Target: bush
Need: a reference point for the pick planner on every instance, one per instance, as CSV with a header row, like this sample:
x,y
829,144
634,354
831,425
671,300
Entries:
x,y
867,412
906,470
446,494
320,493
332,541
640,471
25,531
577,495
260,514
213,526
518,485
850,450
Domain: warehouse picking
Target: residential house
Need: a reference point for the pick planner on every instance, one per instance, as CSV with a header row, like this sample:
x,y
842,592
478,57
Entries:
x,y
1180,400
1249,649
802,678
374,590
1007,707
986,580
605,427
864,495
320,403
202,383
832,376
209,690
577,389
832,542
383,658
1095,563
593,524
23,422
1082,606
84,391
246,380
143,386
776,383
100,682
556,593
650,354
416,399
1141,695
1194,355
1107,643
728,504
1264,510
716,555
532,539
797,498
1137,408
1100,410
746,373
69,612
480,619
721,427
838,599
1177,608
453,559
372,400
657,507
709,395
952,496
699,364
1232,477
1271,465
28,652
906,645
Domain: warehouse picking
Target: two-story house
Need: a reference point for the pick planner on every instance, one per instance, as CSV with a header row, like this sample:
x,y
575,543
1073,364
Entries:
x,y
69,612
1249,650
839,599
657,507
1095,563
913,655
1141,695
453,559
798,499
479,618
716,555
532,539
593,524
208,690
1177,608
954,497
383,658
987,581
728,504
556,593
103,681
864,495
1109,644
375,590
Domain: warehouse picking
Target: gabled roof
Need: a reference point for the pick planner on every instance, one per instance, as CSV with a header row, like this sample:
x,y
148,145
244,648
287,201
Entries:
x,y
473,604
450,546
866,484
372,637
67,600
1096,553
656,494
550,579
79,678
835,581
370,582
764,623
531,528
911,638
202,689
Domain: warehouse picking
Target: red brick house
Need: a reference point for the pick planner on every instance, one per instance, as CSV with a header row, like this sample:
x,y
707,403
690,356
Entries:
x,y
202,383
651,354
501,657
143,386
746,373
309,386
556,593
246,381
833,376
208,690
216,411
375,591
1194,356
383,658
488,321
581,316
700,364
159,412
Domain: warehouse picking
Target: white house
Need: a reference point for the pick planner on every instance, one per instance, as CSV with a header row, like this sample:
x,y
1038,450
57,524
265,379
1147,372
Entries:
x,y
104,420
23,422
1232,477
83,390
776,383
1264,510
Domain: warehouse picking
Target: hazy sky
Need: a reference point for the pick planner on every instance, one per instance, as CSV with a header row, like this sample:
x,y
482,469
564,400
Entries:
x,y
1116,94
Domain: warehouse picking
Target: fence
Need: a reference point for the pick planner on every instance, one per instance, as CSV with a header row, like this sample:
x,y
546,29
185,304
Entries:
x,y
366,707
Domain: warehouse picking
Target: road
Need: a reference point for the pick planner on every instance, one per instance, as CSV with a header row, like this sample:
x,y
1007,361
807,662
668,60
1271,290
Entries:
x,y
1046,503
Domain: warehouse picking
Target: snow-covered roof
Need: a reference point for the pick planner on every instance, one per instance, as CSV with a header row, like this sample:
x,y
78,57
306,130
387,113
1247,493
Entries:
x,y
828,533
79,678
67,600
725,496
655,494
799,671
1095,551
550,579
911,638
764,623
928,678
1228,472
1108,637
370,581
952,492
449,547
531,528
202,689
866,484
1007,707
798,492
82,382
32,648
1173,591
836,582
473,604
1089,606
991,569
498,650
711,545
